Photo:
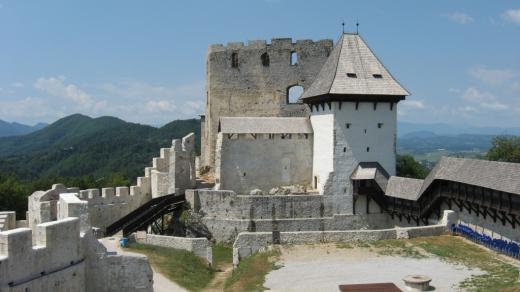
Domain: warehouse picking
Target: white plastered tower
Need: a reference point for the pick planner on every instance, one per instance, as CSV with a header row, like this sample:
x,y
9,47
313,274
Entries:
x,y
353,104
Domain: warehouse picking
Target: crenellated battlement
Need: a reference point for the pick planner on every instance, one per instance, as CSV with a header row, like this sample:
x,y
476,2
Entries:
x,y
275,43
26,255
109,204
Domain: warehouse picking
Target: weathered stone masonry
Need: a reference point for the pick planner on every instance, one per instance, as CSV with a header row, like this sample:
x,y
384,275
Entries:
x,y
252,87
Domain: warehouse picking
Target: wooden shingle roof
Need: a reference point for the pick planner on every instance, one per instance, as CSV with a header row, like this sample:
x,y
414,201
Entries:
x,y
352,69
495,175
265,125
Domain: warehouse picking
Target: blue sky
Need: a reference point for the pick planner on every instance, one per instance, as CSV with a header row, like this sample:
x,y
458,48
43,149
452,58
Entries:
x,y
144,61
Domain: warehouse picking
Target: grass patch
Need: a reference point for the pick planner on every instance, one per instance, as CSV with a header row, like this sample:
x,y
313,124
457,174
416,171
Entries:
x,y
344,245
222,255
250,273
499,276
395,247
180,266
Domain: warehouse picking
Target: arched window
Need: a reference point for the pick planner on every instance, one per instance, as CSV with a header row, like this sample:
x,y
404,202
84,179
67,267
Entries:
x,y
293,93
234,60
294,58
265,59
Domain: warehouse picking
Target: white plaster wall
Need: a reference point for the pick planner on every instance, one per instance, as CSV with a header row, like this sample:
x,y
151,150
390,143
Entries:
x,y
322,164
380,140
245,163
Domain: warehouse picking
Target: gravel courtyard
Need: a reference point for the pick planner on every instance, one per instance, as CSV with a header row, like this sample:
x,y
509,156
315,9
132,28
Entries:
x,y
324,267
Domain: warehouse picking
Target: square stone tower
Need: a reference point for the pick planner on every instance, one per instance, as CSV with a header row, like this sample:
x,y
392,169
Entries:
x,y
353,103
253,80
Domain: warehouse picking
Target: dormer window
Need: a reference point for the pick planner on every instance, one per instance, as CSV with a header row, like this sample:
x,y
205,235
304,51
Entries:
x,y
351,75
377,76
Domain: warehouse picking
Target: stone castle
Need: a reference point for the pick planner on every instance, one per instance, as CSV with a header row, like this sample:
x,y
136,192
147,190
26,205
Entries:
x,y
274,169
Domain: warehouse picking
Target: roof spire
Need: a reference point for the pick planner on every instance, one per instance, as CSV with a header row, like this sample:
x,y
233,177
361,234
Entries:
x,y
343,26
357,26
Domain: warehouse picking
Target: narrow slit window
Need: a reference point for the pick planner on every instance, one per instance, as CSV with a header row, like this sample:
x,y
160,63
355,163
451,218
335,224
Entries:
x,y
379,125
377,76
348,125
234,60
351,75
265,59
368,149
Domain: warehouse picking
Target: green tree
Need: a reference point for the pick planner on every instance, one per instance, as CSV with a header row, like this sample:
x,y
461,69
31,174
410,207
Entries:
x,y
13,195
407,166
504,148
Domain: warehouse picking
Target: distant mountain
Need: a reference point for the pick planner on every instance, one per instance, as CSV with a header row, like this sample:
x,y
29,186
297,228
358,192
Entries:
x,y
424,142
78,145
418,134
405,128
15,129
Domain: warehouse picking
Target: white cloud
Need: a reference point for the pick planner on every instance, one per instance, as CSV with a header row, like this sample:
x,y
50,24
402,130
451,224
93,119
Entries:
x,y
18,109
492,76
512,15
459,17
484,100
416,104
157,106
56,86
17,84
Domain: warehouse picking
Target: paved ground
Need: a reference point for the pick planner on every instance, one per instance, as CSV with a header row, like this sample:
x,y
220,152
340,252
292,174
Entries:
x,y
160,282
323,268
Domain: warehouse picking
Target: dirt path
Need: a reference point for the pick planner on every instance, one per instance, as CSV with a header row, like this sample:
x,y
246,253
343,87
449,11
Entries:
x,y
217,284
160,282
324,267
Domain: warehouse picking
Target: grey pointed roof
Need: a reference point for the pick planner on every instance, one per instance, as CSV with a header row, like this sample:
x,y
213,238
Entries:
x,y
353,56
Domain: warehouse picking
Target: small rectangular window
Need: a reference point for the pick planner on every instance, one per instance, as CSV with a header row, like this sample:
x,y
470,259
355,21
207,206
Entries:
x,y
351,75
348,125
379,125
378,76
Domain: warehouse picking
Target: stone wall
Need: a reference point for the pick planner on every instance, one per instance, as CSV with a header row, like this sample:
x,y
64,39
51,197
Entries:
x,y
7,220
199,246
174,170
225,214
54,263
254,88
245,163
248,243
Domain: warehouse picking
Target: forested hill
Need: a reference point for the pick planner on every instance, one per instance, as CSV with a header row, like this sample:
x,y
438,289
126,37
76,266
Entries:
x,y
78,145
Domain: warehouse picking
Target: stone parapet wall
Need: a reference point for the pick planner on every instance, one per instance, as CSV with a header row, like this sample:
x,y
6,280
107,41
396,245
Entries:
x,y
226,230
107,205
248,243
227,204
199,246
50,257
7,220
